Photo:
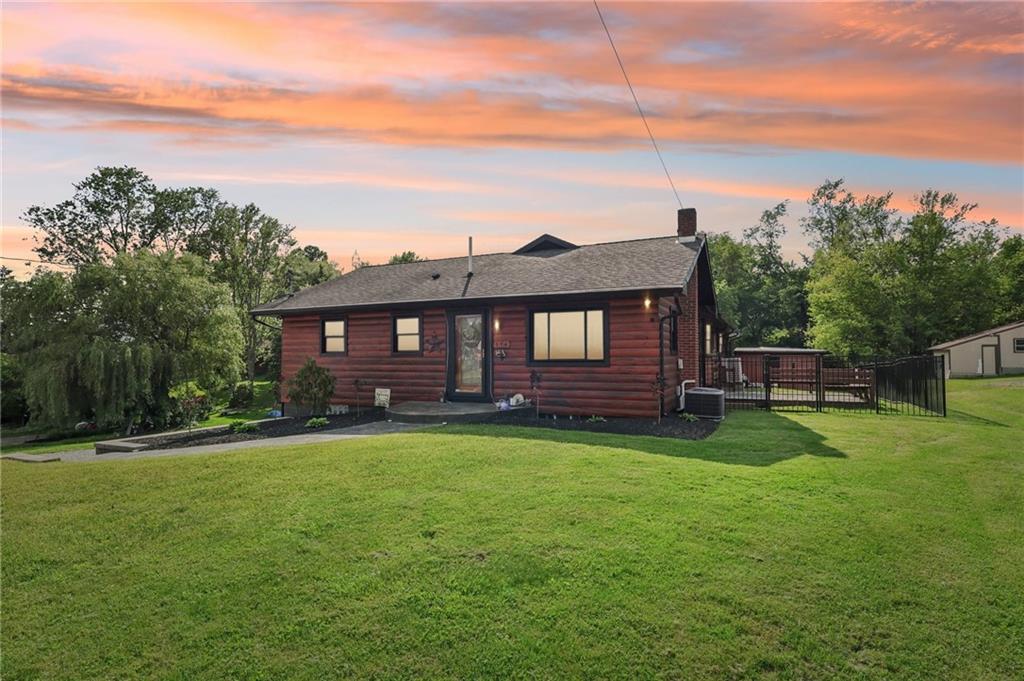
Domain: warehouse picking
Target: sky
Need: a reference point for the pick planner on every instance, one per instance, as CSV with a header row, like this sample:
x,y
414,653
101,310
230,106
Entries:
x,y
381,128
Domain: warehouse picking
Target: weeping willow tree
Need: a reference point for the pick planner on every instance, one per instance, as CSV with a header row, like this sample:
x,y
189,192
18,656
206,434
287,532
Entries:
x,y
108,342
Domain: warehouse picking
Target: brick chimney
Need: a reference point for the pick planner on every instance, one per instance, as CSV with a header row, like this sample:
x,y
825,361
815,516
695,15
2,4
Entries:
x,y
687,229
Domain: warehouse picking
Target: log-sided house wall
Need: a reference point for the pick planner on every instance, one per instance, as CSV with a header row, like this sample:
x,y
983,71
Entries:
x,y
623,386
369,356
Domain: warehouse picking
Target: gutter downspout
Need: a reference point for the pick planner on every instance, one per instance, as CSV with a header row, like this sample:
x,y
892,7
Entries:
x,y
661,358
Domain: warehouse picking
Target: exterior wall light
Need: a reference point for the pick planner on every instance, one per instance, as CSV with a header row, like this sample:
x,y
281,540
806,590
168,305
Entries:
x,y
497,325
647,302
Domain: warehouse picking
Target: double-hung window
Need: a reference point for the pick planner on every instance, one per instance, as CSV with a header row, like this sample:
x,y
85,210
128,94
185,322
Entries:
x,y
406,333
1018,344
334,336
568,336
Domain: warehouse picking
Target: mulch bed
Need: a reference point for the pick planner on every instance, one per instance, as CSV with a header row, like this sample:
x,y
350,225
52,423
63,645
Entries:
x,y
671,426
296,426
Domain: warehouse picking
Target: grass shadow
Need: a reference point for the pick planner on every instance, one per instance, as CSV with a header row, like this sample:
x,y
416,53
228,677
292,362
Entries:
x,y
970,419
744,439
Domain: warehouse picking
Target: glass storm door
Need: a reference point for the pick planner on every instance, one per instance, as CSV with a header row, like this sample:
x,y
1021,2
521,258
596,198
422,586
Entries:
x,y
468,356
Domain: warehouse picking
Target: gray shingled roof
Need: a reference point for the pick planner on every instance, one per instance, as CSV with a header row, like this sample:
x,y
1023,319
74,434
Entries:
x,y
642,264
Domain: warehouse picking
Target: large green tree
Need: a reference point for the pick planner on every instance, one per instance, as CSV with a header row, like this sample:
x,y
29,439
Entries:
x,y
108,341
404,257
885,284
110,213
247,249
1009,265
759,291
182,218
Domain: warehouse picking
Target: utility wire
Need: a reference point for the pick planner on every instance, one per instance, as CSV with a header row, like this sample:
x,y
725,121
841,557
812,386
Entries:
x,y
637,102
41,262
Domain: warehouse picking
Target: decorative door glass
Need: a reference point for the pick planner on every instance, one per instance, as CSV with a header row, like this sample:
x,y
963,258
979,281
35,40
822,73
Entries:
x,y
469,353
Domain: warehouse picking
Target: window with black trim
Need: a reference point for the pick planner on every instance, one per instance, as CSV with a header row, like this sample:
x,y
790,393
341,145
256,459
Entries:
x,y
673,334
334,336
1018,344
406,334
568,336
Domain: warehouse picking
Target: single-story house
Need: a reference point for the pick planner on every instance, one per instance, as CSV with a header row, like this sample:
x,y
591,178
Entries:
x,y
989,353
612,329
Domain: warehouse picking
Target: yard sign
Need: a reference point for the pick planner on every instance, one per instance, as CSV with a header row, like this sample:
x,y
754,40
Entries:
x,y
382,397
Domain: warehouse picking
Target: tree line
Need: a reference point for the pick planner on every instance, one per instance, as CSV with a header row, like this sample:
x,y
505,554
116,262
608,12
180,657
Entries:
x,y
155,286
151,290
876,282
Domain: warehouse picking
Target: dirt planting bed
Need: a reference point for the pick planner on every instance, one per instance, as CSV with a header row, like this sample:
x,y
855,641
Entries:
x,y
280,428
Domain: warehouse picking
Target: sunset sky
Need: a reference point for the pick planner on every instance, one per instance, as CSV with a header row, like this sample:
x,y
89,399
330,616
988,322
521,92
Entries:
x,y
387,127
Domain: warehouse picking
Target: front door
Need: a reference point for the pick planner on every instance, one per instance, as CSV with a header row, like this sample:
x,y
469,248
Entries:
x,y
469,342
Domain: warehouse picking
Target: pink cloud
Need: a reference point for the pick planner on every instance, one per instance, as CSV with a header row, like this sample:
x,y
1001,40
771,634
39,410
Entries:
x,y
907,81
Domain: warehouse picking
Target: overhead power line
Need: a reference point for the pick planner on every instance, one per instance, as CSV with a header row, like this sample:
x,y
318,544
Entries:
x,y
41,262
636,101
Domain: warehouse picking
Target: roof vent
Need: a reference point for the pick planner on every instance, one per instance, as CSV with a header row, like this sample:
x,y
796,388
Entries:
x,y
435,275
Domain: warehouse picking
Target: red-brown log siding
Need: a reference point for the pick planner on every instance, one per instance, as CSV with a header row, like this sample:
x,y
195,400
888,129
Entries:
x,y
622,387
369,358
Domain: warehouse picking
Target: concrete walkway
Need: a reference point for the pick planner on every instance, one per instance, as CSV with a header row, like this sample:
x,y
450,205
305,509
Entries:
x,y
316,437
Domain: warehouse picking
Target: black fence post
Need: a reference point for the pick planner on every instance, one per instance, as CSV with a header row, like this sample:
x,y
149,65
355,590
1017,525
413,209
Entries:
x,y
942,377
766,374
874,388
818,387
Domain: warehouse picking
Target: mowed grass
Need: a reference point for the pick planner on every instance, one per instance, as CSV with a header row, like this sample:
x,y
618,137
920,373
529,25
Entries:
x,y
785,546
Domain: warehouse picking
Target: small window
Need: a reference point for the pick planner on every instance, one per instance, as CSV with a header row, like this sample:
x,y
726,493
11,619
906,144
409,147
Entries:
x,y
407,334
334,336
1018,344
566,336
708,349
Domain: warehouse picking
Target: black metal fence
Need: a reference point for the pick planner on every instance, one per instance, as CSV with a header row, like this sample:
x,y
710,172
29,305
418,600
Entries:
x,y
807,381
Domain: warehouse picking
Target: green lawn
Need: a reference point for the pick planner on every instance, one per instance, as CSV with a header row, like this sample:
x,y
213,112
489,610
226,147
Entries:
x,y
785,546
263,401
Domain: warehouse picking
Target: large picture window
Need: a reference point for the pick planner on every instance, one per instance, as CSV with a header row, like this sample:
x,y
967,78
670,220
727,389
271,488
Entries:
x,y
406,334
568,336
334,336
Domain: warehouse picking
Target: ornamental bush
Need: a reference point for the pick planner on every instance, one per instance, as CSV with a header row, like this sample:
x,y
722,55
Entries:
x,y
190,403
241,396
312,387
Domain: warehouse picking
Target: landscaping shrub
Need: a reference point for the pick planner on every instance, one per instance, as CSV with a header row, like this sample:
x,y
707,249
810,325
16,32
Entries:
x,y
241,397
244,427
312,386
190,404
316,422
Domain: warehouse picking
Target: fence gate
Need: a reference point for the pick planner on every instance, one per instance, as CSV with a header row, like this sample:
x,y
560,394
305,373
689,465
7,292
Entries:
x,y
815,382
